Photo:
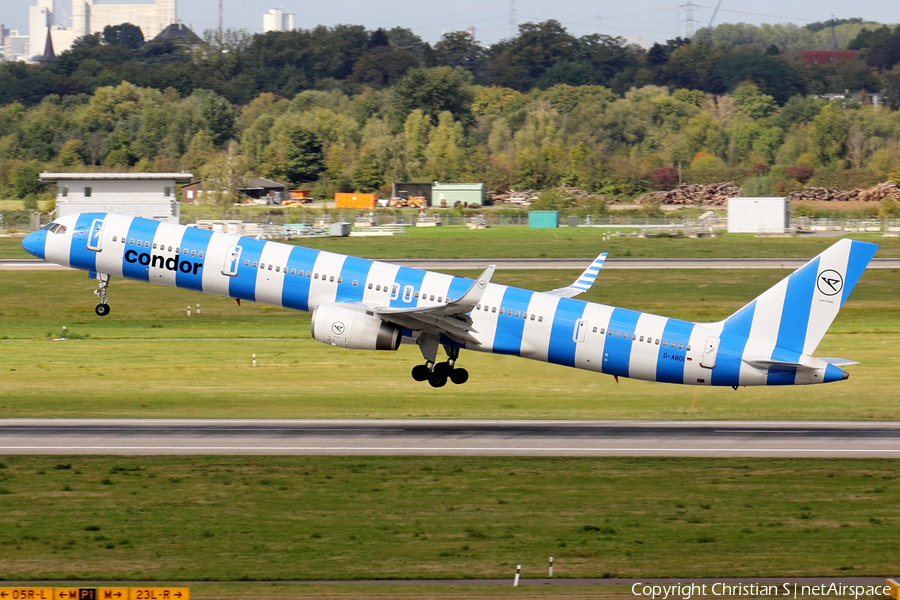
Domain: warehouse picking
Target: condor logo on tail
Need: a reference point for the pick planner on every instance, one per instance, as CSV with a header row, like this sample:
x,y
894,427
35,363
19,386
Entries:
x,y
830,282
170,264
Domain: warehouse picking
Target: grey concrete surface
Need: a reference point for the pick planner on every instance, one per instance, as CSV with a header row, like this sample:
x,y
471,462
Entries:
x,y
450,438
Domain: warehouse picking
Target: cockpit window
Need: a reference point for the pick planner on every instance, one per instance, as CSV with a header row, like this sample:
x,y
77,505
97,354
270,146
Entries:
x,y
56,228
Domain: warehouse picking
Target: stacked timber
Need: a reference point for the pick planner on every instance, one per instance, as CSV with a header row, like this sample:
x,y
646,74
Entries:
x,y
694,193
873,194
520,199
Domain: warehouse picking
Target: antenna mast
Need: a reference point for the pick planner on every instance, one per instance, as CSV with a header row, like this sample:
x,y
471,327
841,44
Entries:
x,y
512,18
688,19
220,21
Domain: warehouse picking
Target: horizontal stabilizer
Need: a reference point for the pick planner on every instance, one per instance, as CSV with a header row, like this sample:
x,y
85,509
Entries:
x,y
584,281
839,362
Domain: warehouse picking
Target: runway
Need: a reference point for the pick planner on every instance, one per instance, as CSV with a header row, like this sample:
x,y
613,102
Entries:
x,y
451,264
450,438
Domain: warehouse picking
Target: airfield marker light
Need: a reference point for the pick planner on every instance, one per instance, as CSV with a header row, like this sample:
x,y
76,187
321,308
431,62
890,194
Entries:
x,y
188,310
198,310
63,338
551,566
254,359
516,580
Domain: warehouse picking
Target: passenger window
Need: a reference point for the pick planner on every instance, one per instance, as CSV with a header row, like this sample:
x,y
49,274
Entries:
x,y
532,317
340,280
254,264
432,298
665,344
185,251
316,276
193,253
331,279
680,346
642,338
649,340
131,242
618,334
246,263
610,332
370,286
154,245
200,254
378,288
169,249
517,314
355,282
540,319
595,330
269,267
688,348
657,341
477,307
278,269
293,271
493,310
440,299
177,249
416,295
114,238
524,315
625,335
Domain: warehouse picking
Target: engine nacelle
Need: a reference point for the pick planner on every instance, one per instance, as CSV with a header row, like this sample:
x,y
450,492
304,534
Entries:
x,y
353,327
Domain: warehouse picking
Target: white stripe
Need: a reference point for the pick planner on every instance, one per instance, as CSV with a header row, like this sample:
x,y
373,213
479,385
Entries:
x,y
381,274
764,331
270,284
589,353
485,321
167,235
324,290
645,355
536,334
825,308
111,255
213,261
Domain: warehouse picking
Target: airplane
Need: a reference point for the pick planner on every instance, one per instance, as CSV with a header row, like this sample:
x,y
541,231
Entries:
x,y
372,305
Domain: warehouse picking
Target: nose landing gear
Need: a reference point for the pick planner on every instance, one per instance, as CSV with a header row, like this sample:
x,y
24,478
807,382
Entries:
x,y
102,309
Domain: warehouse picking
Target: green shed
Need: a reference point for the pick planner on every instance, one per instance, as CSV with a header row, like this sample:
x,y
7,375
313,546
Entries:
x,y
543,219
446,195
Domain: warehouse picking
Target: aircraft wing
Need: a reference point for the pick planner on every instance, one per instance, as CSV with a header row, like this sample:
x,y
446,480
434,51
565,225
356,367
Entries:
x,y
767,363
449,319
584,281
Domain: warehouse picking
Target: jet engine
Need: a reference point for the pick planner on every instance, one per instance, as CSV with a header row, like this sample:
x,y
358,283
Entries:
x,y
353,327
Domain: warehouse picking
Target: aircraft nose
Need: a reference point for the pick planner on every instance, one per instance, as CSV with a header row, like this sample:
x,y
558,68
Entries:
x,y
34,243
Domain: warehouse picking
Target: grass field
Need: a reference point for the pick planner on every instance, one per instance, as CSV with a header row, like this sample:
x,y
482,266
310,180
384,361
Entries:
x,y
522,242
262,518
147,359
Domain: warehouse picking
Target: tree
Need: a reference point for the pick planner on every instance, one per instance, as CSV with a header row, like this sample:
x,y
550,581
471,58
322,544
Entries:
x,y
368,175
383,65
296,156
772,75
828,134
23,179
218,116
536,49
754,103
459,49
434,91
891,81
127,35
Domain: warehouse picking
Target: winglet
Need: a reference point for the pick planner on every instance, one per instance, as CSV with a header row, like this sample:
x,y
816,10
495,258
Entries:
x,y
474,294
584,281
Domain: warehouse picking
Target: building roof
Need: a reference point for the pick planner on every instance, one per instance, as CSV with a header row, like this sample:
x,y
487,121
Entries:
x,y
48,57
261,183
827,57
178,32
51,177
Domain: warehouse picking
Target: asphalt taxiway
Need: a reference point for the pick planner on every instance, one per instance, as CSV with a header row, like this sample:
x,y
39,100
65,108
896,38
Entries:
x,y
451,438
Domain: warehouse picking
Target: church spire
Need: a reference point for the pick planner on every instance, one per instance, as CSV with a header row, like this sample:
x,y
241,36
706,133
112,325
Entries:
x,y
49,56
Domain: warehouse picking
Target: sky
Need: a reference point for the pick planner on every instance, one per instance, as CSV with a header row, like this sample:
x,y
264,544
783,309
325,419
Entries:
x,y
659,20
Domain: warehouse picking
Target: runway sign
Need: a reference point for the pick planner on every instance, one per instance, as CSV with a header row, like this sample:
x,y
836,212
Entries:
x,y
95,594
895,589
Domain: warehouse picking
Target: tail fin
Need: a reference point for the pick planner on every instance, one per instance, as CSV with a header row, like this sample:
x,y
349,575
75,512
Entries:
x,y
795,313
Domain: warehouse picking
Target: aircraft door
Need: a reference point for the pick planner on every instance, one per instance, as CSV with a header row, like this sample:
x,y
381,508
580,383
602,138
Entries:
x,y
708,359
95,235
580,329
408,294
232,259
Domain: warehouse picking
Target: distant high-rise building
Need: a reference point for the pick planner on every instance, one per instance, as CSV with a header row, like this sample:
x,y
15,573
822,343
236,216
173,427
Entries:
x,y
89,16
278,20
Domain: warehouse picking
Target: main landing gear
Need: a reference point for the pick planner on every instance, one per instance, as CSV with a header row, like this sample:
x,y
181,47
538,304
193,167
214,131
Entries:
x,y
437,373
102,309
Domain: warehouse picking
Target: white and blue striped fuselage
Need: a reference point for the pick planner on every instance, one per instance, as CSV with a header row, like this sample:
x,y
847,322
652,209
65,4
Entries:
x,y
507,320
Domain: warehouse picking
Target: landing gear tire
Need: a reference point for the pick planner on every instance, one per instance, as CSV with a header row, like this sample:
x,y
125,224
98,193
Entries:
x,y
443,369
459,376
437,379
421,372
102,310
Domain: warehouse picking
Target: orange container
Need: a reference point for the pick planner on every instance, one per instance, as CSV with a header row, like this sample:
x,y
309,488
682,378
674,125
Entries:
x,y
342,200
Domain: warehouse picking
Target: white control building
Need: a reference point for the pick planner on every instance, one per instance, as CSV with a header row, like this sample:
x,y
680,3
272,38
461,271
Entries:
x,y
149,195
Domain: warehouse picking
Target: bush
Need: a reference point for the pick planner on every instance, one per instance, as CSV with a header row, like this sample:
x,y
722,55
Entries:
x,y
664,178
30,202
758,186
801,173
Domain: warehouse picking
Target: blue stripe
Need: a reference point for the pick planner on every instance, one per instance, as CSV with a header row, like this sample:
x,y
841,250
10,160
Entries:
x,y
458,287
617,350
295,291
670,361
860,255
796,308
140,230
79,256
508,338
782,376
732,342
353,269
406,276
562,344
194,240
243,285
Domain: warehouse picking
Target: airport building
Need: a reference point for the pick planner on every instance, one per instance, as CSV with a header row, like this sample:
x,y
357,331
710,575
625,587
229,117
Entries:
x,y
278,20
149,195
